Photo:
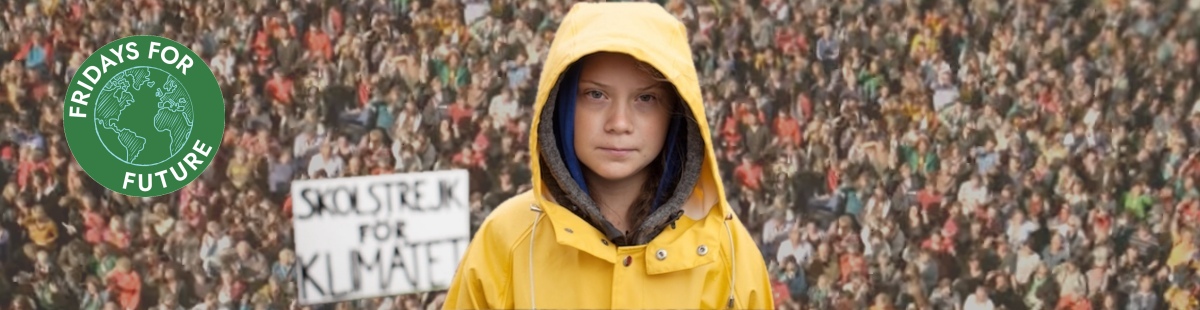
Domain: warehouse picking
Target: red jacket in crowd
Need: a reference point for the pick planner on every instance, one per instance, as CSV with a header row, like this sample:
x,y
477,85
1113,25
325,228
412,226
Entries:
x,y
731,132
789,41
459,111
928,198
127,286
364,92
280,90
788,130
262,47
95,226
319,44
852,265
476,160
749,176
832,178
25,171
335,20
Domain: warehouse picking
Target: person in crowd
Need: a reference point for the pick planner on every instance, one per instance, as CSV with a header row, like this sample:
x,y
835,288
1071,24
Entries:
x,y
125,284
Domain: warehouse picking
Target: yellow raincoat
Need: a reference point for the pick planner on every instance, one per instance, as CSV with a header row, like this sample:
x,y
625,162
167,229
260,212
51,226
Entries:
x,y
534,251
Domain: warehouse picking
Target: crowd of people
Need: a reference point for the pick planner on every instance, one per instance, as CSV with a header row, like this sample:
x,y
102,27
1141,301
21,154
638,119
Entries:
x,y
886,154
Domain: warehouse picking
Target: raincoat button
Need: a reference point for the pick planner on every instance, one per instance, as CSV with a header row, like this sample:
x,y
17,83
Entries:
x,y
703,249
604,241
628,260
662,254
569,230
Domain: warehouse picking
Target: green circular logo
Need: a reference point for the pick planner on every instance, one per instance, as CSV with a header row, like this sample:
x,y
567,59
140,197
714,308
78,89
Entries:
x,y
144,116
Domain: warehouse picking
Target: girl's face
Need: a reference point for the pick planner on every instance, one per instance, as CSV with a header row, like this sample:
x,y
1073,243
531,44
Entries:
x,y
622,117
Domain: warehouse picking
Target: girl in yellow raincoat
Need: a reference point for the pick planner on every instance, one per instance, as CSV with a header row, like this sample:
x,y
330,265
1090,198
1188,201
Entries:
x,y
627,208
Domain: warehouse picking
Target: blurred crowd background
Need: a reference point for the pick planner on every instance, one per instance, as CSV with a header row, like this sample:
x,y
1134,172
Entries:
x,y
886,154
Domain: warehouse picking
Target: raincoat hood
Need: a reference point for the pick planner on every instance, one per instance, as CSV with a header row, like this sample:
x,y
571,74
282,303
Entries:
x,y
651,35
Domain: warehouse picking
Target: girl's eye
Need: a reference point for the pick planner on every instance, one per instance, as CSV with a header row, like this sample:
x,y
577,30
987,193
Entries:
x,y
648,98
594,94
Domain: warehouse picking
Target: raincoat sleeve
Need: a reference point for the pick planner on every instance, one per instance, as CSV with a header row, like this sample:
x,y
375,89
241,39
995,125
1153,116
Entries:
x,y
753,282
484,276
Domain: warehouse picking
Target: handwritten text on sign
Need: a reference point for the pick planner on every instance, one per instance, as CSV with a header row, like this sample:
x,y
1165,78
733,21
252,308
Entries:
x,y
384,235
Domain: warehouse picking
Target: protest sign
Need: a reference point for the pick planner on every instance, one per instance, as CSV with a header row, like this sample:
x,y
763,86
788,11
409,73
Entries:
x,y
375,236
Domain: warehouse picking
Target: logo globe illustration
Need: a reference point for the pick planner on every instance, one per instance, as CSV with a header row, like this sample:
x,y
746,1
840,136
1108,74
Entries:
x,y
144,116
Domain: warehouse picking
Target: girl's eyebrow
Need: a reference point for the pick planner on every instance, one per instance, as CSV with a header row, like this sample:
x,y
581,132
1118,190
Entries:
x,y
645,88
602,85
